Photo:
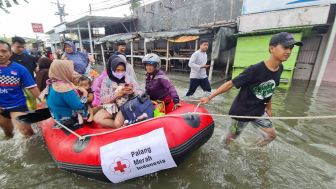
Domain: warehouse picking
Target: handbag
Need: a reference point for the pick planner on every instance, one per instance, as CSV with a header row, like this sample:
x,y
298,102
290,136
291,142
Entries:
x,y
137,109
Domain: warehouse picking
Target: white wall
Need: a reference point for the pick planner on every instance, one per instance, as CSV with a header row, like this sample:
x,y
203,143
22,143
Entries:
x,y
254,6
285,18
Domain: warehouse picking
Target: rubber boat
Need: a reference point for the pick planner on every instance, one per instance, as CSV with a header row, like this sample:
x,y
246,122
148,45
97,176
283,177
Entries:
x,y
184,133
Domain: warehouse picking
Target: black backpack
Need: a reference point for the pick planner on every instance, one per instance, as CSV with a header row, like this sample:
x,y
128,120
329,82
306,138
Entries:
x,y
138,108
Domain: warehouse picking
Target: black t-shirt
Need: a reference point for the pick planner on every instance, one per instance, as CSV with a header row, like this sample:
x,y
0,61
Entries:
x,y
25,60
257,84
118,53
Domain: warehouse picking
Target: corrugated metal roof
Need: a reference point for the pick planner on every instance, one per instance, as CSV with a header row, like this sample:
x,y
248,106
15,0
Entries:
x,y
117,37
151,35
275,30
99,21
170,34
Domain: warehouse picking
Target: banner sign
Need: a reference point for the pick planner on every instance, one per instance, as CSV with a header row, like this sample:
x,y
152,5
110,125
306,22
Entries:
x,y
256,6
134,157
304,16
37,28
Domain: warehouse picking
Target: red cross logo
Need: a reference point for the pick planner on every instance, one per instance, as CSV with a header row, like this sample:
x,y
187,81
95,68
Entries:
x,y
120,167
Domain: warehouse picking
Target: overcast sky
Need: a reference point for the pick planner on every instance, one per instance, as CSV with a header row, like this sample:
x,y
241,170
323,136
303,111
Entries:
x,y
18,22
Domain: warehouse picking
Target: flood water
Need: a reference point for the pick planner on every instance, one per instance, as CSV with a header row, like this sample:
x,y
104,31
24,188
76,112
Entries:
x,y
302,156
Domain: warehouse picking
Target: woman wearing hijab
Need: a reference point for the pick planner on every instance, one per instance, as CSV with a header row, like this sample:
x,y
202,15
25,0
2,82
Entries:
x,y
42,73
81,60
115,90
131,77
62,99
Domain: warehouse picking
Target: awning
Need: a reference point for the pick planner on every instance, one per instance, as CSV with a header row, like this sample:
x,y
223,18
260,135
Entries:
x,y
172,34
117,37
99,21
183,39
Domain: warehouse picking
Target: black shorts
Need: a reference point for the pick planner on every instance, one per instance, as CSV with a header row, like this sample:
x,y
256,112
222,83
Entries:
x,y
6,112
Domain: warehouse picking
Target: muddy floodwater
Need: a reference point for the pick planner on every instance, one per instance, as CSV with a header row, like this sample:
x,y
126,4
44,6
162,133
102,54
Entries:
x,y
302,156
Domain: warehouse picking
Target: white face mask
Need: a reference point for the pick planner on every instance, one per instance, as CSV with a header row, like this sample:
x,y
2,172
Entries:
x,y
118,75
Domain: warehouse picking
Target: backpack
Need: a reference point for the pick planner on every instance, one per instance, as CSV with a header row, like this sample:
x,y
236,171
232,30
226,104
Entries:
x,y
137,109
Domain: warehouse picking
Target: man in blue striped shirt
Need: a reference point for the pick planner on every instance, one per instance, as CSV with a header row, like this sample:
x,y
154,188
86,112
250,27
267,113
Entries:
x,y
13,77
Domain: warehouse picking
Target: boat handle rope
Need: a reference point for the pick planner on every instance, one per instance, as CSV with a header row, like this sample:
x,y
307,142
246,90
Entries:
x,y
147,120
82,138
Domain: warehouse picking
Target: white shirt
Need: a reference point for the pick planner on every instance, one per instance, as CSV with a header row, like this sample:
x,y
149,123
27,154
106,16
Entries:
x,y
197,60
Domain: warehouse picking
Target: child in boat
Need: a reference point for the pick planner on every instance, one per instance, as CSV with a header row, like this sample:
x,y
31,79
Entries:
x,y
85,83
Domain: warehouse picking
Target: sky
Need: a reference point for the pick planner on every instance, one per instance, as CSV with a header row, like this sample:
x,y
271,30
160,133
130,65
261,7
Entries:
x,y
18,22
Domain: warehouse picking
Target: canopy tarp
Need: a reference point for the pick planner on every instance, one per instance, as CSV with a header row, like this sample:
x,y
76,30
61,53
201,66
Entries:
x,y
222,41
183,39
172,34
117,37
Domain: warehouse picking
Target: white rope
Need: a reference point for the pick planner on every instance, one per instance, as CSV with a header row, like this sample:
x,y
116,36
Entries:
x,y
188,100
197,113
216,115
279,118
144,121
197,107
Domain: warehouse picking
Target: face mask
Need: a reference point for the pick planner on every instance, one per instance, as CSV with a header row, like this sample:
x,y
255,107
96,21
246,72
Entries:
x,y
118,75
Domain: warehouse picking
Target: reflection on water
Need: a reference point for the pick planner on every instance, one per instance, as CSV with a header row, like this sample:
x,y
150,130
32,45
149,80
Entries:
x,y
302,156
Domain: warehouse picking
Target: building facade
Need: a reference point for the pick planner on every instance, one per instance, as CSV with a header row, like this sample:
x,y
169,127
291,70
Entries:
x,y
167,15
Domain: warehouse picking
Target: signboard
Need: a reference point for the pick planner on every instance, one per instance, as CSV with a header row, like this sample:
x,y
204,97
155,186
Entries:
x,y
60,28
137,156
256,6
37,28
305,16
55,38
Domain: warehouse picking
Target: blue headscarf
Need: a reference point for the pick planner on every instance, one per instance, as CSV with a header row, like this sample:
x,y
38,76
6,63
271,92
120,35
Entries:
x,y
80,59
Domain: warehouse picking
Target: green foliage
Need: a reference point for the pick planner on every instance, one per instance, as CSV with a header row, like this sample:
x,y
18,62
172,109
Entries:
x,y
7,39
134,5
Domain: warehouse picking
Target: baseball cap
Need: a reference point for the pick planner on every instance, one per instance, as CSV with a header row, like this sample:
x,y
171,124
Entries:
x,y
284,38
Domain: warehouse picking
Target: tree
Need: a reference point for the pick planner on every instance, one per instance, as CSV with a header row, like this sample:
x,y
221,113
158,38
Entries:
x,y
7,39
8,4
134,4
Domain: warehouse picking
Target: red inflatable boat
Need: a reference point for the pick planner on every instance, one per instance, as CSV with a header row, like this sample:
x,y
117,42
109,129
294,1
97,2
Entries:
x,y
184,134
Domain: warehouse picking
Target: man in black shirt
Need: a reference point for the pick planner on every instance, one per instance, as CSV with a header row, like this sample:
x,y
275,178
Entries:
x,y
18,46
121,48
19,56
257,84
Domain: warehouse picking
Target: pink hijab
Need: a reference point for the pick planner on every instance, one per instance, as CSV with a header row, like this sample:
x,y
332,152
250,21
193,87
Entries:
x,y
96,86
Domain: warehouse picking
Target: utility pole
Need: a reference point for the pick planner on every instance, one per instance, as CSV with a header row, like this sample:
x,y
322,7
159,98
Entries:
x,y
90,9
61,11
214,12
5,4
